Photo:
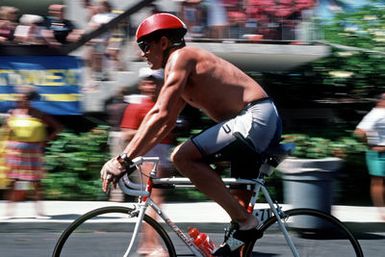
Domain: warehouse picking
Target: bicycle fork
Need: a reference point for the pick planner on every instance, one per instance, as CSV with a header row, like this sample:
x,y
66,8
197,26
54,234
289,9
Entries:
x,y
140,215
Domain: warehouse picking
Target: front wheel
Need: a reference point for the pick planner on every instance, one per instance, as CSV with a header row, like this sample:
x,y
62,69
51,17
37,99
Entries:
x,y
313,233
108,231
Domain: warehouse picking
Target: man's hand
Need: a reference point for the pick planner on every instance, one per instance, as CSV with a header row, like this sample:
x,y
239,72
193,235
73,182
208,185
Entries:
x,y
111,172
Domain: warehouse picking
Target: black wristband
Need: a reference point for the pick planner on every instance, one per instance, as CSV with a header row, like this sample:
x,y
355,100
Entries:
x,y
127,163
123,159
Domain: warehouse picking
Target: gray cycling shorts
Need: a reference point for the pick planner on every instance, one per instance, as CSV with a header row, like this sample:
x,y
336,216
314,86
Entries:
x,y
258,123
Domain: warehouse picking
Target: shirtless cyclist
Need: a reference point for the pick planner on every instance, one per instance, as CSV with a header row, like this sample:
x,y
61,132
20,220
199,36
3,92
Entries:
x,y
227,95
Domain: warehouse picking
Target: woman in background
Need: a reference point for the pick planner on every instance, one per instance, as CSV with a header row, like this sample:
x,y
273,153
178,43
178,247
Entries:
x,y
372,130
28,132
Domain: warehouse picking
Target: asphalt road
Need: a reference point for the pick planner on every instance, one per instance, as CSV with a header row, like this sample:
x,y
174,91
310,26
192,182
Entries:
x,y
38,240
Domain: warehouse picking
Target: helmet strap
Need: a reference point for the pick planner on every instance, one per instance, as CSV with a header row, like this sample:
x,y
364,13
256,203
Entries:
x,y
166,52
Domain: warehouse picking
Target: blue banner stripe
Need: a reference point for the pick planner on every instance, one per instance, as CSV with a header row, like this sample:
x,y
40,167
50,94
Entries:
x,y
60,108
57,78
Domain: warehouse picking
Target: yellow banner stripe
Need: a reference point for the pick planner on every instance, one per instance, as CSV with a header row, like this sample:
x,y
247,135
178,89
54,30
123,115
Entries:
x,y
8,97
45,97
61,97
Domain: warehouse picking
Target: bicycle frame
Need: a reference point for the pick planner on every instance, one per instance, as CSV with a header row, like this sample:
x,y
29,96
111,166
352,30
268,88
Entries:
x,y
257,185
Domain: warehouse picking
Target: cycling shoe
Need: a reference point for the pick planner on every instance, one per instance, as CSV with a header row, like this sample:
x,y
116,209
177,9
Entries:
x,y
235,238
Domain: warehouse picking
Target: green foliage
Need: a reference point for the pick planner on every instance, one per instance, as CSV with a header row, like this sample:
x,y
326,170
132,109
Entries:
x,y
73,163
314,147
363,28
356,71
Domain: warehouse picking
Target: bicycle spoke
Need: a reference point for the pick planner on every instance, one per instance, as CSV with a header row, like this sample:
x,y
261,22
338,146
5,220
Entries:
x,y
312,235
108,235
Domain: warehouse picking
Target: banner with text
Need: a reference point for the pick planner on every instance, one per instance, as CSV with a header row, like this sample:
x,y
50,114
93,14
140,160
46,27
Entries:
x,y
57,79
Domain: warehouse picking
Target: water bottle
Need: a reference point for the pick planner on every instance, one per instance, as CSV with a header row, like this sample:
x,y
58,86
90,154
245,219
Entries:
x,y
202,241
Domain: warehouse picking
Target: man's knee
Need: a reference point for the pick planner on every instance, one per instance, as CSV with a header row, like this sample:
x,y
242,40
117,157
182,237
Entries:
x,y
175,155
184,153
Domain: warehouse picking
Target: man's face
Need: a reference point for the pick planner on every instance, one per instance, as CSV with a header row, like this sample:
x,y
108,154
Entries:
x,y
57,12
152,52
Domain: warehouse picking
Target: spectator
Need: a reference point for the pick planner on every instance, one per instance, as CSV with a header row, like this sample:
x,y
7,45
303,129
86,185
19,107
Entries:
x,y
372,130
192,12
237,18
149,86
217,20
8,23
58,29
29,31
115,44
91,9
305,30
97,55
28,131
114,108
287,17
261,12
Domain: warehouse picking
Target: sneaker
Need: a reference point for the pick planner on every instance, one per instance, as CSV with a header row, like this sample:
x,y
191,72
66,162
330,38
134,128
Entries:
x,y
235,238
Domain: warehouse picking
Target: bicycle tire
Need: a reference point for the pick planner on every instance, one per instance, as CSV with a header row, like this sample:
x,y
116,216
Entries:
x,y
313,232
87,233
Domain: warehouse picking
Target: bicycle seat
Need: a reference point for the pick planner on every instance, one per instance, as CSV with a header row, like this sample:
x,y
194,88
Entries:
x,y
273,150
279,152
274,155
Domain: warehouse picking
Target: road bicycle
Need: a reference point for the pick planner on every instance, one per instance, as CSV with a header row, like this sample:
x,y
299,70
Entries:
x,y
116,231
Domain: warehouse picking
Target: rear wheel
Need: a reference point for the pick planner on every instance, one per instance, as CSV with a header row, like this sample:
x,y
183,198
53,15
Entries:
x,y
314,233
108,232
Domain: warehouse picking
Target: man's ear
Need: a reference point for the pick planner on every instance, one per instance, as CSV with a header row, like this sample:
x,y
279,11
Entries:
x,y
164,42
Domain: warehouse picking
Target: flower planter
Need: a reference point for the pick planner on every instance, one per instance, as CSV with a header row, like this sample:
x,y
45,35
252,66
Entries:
x,y
309,183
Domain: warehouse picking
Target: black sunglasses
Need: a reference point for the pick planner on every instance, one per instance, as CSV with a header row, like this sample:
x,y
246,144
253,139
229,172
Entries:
x,y
144,45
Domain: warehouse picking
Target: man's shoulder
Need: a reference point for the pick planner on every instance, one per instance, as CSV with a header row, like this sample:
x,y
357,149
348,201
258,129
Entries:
x,y
191,50
187,55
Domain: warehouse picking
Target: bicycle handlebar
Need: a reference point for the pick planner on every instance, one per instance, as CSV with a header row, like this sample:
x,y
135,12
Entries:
x,y
141,159
136,189
130,188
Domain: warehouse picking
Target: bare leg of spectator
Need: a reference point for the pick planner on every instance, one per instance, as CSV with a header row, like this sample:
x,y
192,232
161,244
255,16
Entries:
x,y
377,192
38,196
150,240
12,198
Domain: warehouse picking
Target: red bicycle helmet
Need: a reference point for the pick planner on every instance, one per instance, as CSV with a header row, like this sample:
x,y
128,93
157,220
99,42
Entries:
x,y
160,21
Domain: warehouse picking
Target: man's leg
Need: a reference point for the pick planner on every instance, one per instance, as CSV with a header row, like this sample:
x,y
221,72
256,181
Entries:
x,y
243,196
377,191
188,160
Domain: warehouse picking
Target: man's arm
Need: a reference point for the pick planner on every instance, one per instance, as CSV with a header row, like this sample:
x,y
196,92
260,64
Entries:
x,y
361,134
128,134
157,123
161,119
365,125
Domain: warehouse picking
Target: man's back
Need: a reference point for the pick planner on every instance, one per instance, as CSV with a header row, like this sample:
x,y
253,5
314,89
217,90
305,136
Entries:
x,y
213,85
